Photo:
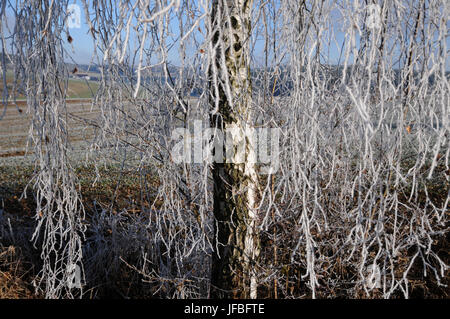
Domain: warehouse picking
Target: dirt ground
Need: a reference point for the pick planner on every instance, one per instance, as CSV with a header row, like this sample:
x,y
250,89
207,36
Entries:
x,y
15,125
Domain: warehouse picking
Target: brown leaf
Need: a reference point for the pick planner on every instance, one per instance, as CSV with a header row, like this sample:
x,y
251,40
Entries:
x,y
69,39
408,129
75,70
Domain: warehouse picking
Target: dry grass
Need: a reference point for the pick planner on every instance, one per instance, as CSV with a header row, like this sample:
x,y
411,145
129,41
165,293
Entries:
x,y
14,275
19,260
16,265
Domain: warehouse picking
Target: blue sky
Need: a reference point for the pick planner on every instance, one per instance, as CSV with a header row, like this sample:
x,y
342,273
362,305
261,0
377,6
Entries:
x,y
82,47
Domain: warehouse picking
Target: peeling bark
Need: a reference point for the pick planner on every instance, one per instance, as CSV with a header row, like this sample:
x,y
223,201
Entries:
x,y
235,181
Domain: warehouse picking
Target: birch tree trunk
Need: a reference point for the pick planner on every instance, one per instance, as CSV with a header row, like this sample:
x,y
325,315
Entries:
x,y
235,180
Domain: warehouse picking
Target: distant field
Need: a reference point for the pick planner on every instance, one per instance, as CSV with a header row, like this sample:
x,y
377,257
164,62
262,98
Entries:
x,y
78,88
15,125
